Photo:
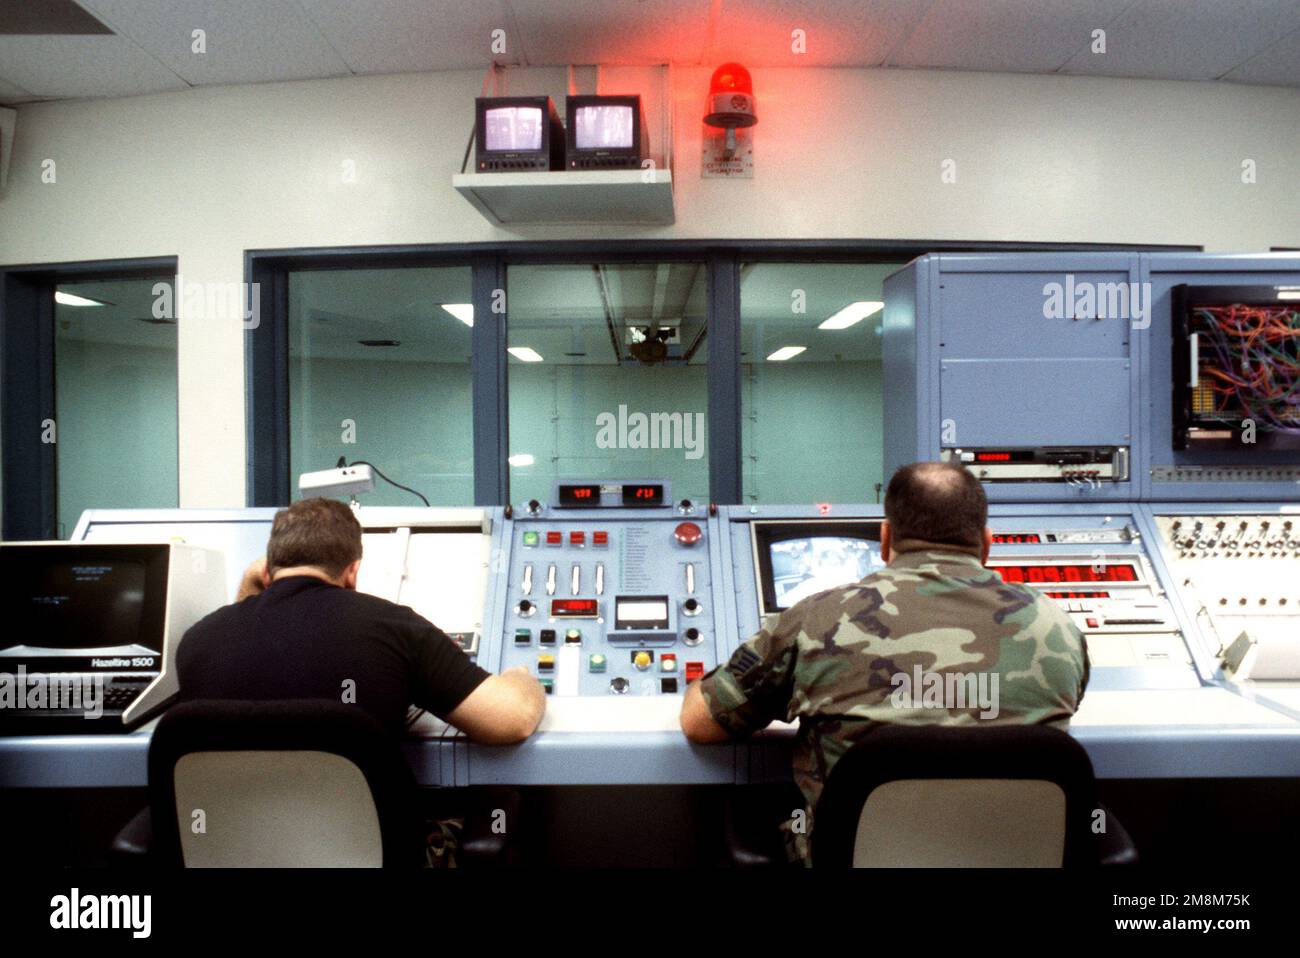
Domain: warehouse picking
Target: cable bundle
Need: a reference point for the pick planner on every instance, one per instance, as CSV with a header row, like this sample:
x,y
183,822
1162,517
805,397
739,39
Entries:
x,y
1249,359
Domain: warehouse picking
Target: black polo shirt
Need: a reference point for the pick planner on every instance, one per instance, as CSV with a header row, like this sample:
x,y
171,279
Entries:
x,y
306,638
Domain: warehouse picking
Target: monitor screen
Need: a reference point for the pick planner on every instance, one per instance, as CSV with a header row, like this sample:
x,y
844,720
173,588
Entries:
x,y
799,559
513,128
70,598
603,127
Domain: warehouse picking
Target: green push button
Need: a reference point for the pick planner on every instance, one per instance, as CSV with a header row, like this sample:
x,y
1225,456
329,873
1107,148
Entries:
x,y
596,663
523,636
530,539
547,685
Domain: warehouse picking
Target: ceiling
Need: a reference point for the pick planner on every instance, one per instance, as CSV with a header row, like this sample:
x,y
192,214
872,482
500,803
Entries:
x,y
59,49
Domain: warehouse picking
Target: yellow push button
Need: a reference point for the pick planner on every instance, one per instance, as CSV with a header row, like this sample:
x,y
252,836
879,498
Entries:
x,y
642,660
546,663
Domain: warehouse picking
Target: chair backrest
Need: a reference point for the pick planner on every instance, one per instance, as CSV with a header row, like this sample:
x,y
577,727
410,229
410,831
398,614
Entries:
x,y
942,797
278,784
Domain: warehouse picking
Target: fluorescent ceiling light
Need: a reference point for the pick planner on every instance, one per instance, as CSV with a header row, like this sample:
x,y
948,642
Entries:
x,y
784,353
72,299
525,354
462,311
850,314
521,459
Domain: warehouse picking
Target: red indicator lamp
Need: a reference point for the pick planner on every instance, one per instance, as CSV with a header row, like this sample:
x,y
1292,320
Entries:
x,y
731,101
824,508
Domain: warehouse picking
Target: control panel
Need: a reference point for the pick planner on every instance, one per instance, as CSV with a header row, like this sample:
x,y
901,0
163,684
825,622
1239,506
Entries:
x,y
1238,574
611,591
1090,559
1094,565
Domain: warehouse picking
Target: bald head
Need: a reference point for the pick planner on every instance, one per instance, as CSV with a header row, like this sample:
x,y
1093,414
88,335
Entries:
x,y
938,502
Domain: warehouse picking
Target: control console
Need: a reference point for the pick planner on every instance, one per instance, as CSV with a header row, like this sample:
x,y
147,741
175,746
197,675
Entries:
x,y
611,591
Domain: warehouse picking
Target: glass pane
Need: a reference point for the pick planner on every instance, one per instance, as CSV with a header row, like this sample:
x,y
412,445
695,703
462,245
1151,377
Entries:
x,y
379,371
811,421
607,376
115,399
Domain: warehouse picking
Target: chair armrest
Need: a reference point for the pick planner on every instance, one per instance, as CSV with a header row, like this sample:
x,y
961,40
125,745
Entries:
x,y
479,845
1114,846
134,843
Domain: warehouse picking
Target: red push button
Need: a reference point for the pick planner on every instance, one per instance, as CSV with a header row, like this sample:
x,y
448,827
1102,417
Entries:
x,y
600,538
688,533
577,538
694,670
1091,623
555,538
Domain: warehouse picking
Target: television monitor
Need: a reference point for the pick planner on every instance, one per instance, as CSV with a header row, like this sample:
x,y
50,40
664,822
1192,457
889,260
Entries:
x,y
605,133
517,134
794,559
1236,366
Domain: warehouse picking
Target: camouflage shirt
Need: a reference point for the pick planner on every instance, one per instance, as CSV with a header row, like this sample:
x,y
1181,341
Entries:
x,y
934,638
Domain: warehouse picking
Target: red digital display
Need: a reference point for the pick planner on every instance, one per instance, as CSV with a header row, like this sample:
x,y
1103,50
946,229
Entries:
x,y
644,495
992,457
1066,573
584,495
1015,537
574,608
1077,595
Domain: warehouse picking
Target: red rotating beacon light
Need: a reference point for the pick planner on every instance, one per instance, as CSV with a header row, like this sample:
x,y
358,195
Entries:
x,y
731,101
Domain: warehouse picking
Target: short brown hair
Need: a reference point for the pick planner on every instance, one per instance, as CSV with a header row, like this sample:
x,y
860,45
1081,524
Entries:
x,y
940,502
314,532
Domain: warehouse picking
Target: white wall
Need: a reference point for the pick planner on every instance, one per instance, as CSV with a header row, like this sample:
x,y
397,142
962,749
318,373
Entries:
x,y
209,173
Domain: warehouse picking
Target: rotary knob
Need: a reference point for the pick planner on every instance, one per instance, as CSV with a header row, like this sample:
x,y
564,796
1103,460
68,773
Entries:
x,y
688,533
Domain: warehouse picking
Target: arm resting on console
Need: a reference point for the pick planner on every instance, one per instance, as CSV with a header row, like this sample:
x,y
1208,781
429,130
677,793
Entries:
x,y
697,721
503,710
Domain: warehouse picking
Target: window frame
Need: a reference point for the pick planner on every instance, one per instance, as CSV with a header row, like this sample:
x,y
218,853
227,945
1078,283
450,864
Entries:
x,y
28,466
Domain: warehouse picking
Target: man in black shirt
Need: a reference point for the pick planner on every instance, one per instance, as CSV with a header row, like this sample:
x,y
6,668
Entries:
x,y
299,629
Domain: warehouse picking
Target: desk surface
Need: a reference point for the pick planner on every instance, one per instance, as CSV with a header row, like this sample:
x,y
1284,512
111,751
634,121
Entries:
x,y
1175,733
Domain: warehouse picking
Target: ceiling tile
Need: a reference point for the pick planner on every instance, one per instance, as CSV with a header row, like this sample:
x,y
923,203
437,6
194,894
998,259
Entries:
x,y
83,67
248,41
1187,39
1277,64
558,32
836,32
398,36
1017,36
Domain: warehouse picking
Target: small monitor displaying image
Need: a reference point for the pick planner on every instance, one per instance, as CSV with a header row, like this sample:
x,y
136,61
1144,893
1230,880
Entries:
x,y
797,559
605,132
511,128
604,127
517,134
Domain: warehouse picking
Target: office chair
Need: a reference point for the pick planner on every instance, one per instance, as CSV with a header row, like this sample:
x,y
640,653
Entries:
x,y
303,783
935,796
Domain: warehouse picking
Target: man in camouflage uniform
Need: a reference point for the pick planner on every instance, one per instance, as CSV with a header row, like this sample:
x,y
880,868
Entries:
x,y
933,638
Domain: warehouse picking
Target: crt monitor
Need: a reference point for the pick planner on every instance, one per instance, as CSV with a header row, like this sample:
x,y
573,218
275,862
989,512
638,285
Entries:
x,y
794,559
517,134
605,132
69,609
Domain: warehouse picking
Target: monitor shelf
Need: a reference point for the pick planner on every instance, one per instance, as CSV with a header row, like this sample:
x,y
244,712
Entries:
x,y
585,197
